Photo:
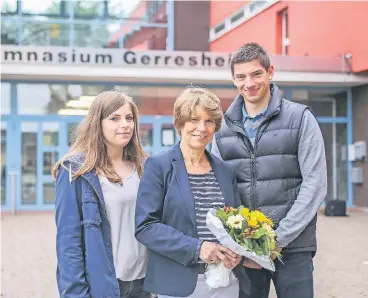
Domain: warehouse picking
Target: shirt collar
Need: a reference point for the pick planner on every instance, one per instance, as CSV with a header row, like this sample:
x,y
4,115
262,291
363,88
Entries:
x,y
245,115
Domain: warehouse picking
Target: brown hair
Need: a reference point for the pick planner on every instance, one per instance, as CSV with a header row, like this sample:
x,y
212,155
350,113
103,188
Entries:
x,y
91,142
192,97
248,52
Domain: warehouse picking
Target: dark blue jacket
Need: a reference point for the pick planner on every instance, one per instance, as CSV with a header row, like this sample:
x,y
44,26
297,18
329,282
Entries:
x,y
85,267
166,224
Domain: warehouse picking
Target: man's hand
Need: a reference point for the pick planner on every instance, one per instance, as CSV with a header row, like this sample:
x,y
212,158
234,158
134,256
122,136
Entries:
x,y
251,264
233,259
277,249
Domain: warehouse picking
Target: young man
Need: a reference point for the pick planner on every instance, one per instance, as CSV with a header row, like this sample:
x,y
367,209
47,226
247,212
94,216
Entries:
x,y
277,149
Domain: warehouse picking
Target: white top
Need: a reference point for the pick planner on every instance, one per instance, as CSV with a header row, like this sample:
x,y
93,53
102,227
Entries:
x,y
130,256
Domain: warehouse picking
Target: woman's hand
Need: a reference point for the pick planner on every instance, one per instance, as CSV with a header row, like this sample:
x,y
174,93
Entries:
x,y
209,252
213,253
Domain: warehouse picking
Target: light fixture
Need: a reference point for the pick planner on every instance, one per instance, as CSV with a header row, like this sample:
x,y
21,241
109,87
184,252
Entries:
x,y
87,98
78,104
76,112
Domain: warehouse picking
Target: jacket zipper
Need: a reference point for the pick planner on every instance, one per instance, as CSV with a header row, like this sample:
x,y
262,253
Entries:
x,y
259,134
252,151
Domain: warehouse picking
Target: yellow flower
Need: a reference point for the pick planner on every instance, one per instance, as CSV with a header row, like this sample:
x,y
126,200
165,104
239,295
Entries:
x,y
269,221
252,222
244,212
261,218
235,221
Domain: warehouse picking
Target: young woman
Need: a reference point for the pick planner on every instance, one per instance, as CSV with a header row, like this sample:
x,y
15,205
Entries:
x,y
96,190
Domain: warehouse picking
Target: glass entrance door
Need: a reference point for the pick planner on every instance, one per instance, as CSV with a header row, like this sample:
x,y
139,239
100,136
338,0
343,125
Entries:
x,y
4,174
39,152
31,145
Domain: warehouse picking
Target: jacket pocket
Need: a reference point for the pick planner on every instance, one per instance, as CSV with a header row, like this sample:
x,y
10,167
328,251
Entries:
x,y
91,210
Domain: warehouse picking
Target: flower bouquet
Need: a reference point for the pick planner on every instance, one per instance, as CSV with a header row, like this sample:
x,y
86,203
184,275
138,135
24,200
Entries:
x,y
247,233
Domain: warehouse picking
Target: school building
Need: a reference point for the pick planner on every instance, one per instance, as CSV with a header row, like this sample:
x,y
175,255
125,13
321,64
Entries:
x,y
56,56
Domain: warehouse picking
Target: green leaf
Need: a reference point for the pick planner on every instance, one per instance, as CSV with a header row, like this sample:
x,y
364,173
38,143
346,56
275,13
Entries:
x,y
272,245
248,243
222,215
265,246
257,249
259,233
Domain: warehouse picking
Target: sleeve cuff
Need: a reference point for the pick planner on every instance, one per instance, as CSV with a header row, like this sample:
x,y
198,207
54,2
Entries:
x,y
196,258
281,243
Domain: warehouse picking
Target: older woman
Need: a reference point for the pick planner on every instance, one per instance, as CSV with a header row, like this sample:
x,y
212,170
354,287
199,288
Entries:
x,y
176,191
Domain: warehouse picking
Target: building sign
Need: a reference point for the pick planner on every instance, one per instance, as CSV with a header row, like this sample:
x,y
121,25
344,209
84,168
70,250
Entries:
x,y
111,57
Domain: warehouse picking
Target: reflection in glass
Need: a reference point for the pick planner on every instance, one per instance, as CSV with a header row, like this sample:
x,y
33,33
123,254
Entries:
x,y
49,193
87,8
334,135
49,160
45,34
167,135
96,34
9,32
29,162
145,134
71,133
5,98
50,137
133,8
8,6
45,99
48,7
325,103
3,162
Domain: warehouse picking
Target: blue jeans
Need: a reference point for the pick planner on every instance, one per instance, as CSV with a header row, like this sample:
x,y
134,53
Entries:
x,y
133,289
293,279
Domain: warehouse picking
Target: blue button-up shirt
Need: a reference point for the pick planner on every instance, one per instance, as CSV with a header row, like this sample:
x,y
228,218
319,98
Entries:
x,y
251,124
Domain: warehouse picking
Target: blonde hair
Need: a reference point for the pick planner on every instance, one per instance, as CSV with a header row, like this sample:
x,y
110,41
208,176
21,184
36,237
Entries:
x,y
191,98
91,142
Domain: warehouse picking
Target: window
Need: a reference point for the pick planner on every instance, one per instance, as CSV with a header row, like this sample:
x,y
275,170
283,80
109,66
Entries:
x,y
8,6
9,31
255,6
48,7
245,13
219,28
45,34
88,8
115,8
49,99
5,98
167,135
237,17
285,32
95,34
3,173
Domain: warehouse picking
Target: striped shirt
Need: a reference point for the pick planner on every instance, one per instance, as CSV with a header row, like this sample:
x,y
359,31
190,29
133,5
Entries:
x,y
207,194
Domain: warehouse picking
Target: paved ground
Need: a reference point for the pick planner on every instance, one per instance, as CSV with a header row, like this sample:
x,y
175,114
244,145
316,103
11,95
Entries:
x,y
28,256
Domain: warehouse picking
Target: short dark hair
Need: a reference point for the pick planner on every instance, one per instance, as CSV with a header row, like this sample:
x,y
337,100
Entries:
x,y
248,52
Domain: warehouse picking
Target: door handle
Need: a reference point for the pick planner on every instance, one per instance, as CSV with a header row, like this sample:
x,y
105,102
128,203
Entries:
x,y
13,191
